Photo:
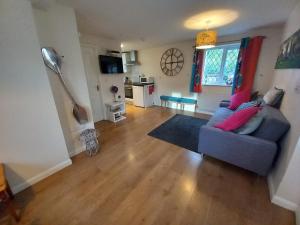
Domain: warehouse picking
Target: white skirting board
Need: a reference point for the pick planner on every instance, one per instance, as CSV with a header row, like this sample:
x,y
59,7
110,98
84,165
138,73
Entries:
x,y
197,111
76,152
277,200
298,216
41,176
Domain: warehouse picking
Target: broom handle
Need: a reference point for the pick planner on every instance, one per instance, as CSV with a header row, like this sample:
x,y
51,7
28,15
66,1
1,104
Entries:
x,y
65,86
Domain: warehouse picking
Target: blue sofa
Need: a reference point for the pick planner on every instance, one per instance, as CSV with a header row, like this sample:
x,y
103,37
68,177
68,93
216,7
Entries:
x,y
255,152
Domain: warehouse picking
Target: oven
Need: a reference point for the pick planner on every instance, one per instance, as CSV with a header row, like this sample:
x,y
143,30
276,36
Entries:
x,y
128,91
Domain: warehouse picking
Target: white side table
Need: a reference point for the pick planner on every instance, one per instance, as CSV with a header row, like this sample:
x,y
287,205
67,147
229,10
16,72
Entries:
x,y
115,111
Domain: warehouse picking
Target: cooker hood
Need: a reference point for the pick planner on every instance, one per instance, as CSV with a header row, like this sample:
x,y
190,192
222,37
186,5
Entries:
x,y
130,58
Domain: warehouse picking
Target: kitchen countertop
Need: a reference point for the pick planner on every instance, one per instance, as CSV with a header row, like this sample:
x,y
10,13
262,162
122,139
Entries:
x,y
141,84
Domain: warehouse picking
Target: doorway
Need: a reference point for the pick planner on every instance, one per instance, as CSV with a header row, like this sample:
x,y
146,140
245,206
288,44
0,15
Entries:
x,y
90,61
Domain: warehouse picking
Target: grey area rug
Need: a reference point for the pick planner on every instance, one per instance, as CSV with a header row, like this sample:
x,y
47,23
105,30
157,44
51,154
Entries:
x,y
180,130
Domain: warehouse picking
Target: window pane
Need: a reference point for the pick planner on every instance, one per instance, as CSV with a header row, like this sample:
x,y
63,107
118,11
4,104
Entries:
x,y
230,64
212,67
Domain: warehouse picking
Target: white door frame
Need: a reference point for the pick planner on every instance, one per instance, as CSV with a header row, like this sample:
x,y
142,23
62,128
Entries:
x,y
94,51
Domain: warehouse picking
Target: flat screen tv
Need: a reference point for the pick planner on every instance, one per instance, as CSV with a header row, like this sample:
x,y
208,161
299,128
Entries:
x,y
110,64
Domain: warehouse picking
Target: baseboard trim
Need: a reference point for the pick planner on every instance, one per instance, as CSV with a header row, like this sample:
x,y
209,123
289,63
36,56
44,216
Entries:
x,y
277,200
75,152
41,176
284,203
197,111
298,216
205,112
271,187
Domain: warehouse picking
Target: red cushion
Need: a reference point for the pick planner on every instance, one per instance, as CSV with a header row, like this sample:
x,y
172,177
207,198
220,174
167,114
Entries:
x,y
238,119
239,98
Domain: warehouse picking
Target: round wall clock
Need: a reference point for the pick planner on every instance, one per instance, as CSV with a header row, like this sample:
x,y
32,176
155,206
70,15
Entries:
x,y
171,62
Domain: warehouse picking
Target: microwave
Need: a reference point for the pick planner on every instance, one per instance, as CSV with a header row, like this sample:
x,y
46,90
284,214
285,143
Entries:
x,y
146,80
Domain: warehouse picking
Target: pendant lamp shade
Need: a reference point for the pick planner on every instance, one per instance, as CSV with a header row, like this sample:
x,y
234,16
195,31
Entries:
x,y
206,39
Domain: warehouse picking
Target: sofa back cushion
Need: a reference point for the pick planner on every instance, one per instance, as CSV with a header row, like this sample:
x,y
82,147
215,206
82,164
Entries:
x,y
239,98
251,125
219,116
247,105
274,97
274,125
237,119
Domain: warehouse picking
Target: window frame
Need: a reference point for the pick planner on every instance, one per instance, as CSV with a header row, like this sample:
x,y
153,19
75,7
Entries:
x,y
225,47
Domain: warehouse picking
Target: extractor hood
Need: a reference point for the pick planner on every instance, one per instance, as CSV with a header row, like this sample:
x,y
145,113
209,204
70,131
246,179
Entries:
x,y
130,58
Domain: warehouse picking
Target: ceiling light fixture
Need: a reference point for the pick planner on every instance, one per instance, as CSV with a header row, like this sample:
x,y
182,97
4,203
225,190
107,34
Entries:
x,y
206,39
122,45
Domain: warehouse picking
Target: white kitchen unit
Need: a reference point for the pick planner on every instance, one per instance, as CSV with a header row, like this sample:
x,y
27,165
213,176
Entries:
x,y
142,97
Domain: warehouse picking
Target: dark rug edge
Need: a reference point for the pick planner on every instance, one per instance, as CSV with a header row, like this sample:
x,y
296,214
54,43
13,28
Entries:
x,y
151,133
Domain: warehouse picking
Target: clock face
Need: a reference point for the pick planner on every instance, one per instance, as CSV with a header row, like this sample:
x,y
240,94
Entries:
x,y
171,62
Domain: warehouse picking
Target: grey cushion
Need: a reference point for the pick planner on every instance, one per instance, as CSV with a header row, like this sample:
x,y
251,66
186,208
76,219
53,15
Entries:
x,y
277,101
251,125
219,116
247,105
270,96
274,97
274,125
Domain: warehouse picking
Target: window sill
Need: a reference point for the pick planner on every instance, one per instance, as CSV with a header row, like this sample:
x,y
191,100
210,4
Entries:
x,y
216,85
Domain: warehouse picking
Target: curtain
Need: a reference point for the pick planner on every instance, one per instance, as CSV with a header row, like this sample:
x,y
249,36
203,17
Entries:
x,y
246,65
196,80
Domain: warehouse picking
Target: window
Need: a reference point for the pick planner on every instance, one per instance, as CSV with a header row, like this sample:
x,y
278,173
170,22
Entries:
x,y
219,64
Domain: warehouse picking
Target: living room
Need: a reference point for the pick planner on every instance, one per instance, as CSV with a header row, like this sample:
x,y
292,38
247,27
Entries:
x,y
176,160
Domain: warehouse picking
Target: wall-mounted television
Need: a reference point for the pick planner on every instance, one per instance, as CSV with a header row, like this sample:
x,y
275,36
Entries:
x,y
110,64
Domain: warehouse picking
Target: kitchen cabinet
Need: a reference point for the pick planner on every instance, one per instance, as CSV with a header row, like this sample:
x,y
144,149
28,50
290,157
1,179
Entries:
x,y
143,95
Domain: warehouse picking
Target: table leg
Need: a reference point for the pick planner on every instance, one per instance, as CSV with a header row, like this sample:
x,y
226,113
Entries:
x,y
12,210
7,201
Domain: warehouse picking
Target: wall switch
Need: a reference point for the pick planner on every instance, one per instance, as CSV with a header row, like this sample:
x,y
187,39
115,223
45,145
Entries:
x,y
297,86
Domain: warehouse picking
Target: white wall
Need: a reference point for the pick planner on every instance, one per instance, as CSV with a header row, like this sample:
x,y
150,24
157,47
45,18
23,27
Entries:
x,y
210,97
31,139
57,28
285,178
178,85
100,46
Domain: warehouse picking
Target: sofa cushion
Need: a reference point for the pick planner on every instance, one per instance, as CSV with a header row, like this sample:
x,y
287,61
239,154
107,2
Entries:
x,y
274,125
247,105
273,96
237,119
219,116
251,125
238,98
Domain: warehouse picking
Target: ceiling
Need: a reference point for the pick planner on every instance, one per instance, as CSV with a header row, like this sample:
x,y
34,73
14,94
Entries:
x,y
146,23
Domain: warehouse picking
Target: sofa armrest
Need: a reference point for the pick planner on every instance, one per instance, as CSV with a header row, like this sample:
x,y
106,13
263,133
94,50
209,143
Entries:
x,y
245,151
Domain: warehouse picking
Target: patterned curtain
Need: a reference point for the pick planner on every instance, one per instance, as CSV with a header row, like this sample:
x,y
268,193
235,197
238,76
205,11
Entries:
x,y
247,62
196,80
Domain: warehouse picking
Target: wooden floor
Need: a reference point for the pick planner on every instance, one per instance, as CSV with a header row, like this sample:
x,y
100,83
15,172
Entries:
x,y
137,179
